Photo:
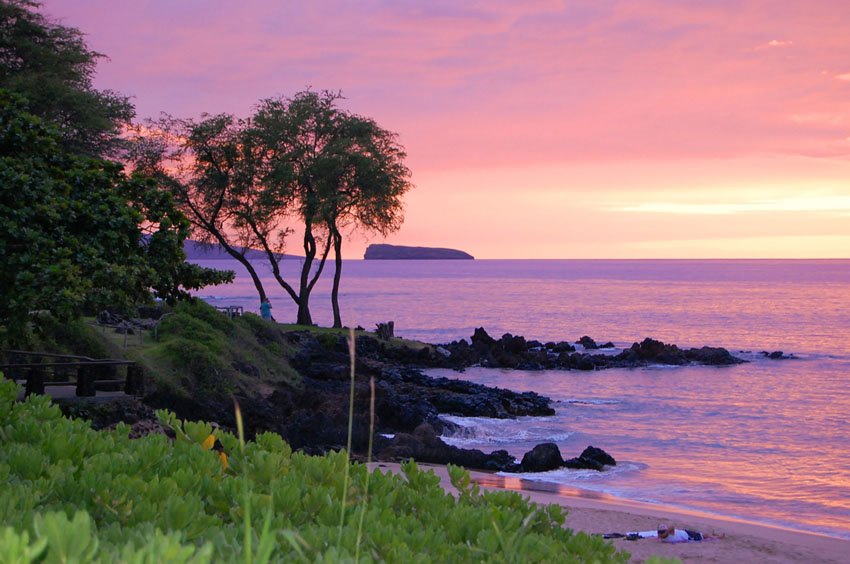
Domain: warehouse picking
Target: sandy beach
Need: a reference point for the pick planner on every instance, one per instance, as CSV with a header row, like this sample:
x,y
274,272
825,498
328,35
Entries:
x,y
741,542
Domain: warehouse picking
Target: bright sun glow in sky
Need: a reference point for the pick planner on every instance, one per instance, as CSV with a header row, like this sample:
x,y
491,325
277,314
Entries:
x,y
540,129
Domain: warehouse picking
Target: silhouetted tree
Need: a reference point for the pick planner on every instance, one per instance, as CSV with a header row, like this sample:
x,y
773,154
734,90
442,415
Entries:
x,y
207,168
245,183
338,170
363,187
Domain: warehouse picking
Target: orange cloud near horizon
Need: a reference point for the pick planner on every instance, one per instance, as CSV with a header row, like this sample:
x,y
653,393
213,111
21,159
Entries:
x,y
541,129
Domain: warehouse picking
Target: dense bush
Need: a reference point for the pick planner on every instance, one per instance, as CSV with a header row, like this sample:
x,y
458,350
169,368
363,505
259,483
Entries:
x,y
202,352
74,494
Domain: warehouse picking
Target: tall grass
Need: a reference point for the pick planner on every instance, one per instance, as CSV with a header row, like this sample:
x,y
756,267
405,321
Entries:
x,y
365,504
266,544
351,357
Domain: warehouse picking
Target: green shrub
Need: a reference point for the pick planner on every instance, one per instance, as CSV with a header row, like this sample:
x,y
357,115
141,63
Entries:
x,y
199,309
330,341
74,494
265,331
70,337
201,351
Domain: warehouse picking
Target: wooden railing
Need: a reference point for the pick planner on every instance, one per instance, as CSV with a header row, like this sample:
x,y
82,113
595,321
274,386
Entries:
x,y
40,369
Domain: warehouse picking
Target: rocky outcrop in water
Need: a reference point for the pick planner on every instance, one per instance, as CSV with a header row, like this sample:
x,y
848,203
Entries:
x,y
777,355
314,416
547,456
591,458
513,351
424,445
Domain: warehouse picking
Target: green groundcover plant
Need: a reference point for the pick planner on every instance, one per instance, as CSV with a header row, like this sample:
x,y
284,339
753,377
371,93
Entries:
x,y
72,494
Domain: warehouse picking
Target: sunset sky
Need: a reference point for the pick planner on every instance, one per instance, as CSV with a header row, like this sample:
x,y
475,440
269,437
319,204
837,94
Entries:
x,y
540,129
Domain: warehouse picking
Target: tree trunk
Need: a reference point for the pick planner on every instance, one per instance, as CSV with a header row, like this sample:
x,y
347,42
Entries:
x,y
258,284
337,238
304,317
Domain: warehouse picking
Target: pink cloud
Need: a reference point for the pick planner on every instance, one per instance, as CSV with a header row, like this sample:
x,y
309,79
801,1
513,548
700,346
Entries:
x,y
483,84
543,81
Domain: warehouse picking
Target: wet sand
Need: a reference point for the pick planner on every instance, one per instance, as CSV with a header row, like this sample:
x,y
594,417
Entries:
x,y
593,512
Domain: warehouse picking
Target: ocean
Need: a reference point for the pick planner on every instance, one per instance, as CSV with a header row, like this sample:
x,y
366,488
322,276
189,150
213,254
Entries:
x,y
766,441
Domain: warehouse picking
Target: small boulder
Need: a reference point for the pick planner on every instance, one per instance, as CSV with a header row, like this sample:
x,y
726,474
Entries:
x,y
561,347
542,458
712,356
598,454
591,458
587,343
480,339
776,355
514,344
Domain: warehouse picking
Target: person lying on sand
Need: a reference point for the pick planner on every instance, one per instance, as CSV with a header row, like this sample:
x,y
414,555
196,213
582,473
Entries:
x,y
673,534
664,534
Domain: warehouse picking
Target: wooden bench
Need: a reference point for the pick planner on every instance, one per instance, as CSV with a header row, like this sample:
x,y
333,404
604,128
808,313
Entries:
x,y
230,311
39,370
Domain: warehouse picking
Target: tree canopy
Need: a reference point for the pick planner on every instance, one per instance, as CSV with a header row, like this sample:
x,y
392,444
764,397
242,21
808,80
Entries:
x,y
76,233
363,186
208,170
51,66
299,161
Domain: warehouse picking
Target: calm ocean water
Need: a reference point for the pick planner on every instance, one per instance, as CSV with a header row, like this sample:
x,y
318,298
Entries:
x,y
766,440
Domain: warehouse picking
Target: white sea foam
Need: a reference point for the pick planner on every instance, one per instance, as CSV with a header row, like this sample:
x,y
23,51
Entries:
x,y
580,478
472,431
662,367
589,401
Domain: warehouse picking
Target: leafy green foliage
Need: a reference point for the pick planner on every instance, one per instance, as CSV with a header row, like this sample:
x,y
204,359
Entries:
x,y
74,494
51,66
70,229
201,351
64,229
70,337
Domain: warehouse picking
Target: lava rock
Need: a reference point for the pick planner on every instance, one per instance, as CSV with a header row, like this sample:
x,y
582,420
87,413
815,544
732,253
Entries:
x,y
712,356
424,445
562,346
480,339
591,458
514,345
587,343
777,355
542,458
585,362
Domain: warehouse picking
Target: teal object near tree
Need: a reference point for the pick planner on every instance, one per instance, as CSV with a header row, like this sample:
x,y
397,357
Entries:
x,y
266,310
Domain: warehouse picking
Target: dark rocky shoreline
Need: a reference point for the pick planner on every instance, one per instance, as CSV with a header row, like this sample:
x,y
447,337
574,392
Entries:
x,y
514,351
314,417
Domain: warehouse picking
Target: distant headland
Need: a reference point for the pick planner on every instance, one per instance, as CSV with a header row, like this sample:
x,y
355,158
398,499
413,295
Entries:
x,y
196,250
398,252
